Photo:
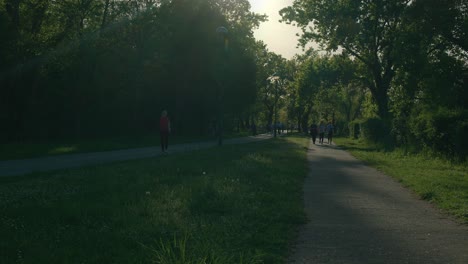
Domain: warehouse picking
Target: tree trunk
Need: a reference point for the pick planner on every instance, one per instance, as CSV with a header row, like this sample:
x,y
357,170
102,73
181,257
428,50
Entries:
x,y
381,99
104,15
13,10
305,119
38,16
379,90
270,117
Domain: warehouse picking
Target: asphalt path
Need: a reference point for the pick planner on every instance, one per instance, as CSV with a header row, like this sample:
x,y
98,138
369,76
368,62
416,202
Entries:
x,y
25,166
357,214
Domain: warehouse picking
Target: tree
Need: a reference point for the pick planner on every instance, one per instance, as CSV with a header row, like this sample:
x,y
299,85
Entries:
x,y
367,30
271,64
446,21
88,68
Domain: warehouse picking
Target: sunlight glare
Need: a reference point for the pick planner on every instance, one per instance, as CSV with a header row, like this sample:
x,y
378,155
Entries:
x,y
280,37
258,5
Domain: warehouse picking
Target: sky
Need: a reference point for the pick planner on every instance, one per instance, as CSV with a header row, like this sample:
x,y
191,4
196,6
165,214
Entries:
x,y
279,37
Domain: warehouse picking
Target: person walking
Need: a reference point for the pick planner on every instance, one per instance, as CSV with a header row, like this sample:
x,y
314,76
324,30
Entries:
x,y
313,131
330,132
254,129
321,132
164,130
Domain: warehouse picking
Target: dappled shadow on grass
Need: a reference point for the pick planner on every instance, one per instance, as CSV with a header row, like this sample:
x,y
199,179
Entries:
x,y
360,145
323,162
237,200
357,147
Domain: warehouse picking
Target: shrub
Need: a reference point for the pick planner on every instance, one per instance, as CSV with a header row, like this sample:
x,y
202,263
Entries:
x,y
442,131
341,128
354,129
375,130
461,139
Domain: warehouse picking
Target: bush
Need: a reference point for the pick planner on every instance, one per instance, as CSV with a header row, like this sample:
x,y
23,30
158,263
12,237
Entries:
x,y
375,130
442,131
461,139
341,128
354,129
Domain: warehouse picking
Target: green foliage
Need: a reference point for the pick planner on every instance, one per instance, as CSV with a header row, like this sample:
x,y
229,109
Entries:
x,y
350,101
325,88
441,130
354,129
366,31
273,80
107,68
375,130
410,56
178,251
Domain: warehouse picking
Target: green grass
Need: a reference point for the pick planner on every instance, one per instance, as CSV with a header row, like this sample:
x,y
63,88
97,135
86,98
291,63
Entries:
x,y
23,150
437,180
235,204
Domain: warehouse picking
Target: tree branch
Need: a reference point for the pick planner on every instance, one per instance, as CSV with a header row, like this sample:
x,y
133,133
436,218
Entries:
x,y
355,54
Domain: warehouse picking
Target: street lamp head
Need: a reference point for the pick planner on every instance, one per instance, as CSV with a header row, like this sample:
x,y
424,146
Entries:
x,y
222,30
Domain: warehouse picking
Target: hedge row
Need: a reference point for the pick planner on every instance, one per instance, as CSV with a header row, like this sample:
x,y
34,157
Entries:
x,y
441,132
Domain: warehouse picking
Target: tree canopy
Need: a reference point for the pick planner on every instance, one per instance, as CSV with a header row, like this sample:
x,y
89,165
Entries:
x,y
410,56
91,68
86,68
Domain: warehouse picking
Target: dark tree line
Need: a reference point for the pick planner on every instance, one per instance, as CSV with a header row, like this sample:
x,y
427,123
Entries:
x,y
88,68
91,68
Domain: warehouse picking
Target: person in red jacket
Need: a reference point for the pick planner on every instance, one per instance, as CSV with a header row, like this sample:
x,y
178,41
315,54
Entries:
x,y
164,130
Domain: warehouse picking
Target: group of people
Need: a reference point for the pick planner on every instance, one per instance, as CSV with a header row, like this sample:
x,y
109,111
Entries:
x,y
321,130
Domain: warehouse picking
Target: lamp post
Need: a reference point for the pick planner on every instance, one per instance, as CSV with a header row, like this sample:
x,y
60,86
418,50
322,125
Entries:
x,y
274,80
223,40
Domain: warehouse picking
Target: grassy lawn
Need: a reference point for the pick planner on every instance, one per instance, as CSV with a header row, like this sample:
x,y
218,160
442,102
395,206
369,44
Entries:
x,y
436,180
235,204
38,149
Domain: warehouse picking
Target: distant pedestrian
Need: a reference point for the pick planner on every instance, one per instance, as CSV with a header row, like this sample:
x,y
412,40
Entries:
x,y
313,131
330,129
254,129
164,130
278,128
321,132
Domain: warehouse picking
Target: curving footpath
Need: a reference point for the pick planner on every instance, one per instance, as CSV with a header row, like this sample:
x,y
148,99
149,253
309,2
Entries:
x,y
359,215
25,166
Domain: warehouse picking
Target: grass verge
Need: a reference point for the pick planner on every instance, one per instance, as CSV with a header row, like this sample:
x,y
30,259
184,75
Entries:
x,y
439,181
235,204
26,150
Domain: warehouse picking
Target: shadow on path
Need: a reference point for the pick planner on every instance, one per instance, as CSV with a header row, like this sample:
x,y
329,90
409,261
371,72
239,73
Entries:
x,y
358,215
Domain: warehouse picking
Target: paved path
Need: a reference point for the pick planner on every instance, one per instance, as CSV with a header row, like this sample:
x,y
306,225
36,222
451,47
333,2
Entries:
x,y
24,166
358,215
